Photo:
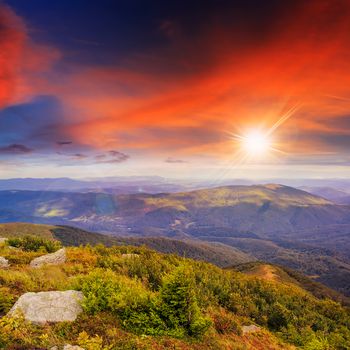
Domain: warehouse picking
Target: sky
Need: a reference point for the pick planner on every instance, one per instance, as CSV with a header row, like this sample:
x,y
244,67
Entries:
x,y
171,88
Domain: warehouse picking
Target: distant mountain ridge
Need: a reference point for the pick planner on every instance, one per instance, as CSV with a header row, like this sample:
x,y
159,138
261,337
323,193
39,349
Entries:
x,y
261,209
134,184
335,195
275,223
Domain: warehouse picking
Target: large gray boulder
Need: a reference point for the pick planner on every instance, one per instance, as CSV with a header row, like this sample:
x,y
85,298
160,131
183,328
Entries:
x,y
46,307
56,258
3,263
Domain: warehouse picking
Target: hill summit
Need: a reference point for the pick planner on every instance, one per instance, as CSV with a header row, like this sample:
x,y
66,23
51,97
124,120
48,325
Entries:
x,y
135,298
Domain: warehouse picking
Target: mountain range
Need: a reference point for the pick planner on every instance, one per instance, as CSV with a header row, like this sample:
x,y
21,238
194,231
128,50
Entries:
x,y
272,222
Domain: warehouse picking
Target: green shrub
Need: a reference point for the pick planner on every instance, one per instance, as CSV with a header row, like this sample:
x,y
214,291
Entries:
x,y
179,307
90,343
279,317
174,311
225,322
98,288
16,280
126,298
21,257
164,295
34,244
6,300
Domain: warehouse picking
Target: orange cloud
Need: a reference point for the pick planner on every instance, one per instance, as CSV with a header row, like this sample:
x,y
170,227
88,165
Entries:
x,y
220,83
186,96
12,37
20,59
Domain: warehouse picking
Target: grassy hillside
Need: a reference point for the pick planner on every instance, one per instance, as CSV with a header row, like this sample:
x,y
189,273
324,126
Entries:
x,y
280,274
321,265
244,248
232,195
216,253
157,301
19,229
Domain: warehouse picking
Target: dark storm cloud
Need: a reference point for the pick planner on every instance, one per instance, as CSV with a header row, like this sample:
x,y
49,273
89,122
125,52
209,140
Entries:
x,y
64,143
80,156
116,157
111,157
15,149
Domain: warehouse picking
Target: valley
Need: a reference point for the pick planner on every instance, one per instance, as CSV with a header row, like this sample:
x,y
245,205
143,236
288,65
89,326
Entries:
x,y
273,223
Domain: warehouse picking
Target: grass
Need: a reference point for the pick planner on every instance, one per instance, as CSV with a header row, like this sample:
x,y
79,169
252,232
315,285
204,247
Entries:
x,y
163,301
18,229
280,274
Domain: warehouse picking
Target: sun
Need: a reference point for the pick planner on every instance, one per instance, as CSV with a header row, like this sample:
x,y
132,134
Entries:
x,y
259,144
256,143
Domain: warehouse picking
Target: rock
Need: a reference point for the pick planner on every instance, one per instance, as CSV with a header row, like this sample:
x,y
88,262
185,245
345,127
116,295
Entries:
x,y
4,263
68,347
130,255
56,258
46,307
3,240
250,329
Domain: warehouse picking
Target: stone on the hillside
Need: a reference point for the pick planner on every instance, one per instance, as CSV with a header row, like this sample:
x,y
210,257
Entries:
x,y
46,307
250,329
130,255
56,258
3,263
68,347
3,240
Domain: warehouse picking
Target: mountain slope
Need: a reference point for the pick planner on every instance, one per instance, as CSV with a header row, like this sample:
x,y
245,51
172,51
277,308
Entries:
x,y
280,274
260,209
135,298
216,253
333,194
274,223
319,264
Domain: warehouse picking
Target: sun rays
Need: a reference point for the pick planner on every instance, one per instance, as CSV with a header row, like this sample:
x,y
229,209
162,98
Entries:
x,y
259,144
256,145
